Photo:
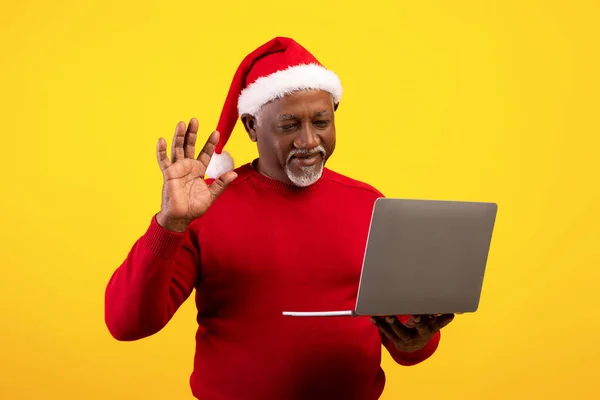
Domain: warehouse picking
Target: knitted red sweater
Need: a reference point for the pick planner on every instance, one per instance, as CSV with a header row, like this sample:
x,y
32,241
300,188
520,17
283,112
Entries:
x,y
263,248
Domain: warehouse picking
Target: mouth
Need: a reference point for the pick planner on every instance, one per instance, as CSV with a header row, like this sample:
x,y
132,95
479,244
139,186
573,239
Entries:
x,y
306,156
305,160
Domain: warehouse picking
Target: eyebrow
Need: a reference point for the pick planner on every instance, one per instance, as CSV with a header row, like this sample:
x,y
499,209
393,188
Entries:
x,y
287,117
284,117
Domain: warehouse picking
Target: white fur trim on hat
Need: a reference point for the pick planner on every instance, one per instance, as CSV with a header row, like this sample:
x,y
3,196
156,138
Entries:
x,y
219,164
280,83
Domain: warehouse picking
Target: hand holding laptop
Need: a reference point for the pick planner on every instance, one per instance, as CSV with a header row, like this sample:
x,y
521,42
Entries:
x,y
414,333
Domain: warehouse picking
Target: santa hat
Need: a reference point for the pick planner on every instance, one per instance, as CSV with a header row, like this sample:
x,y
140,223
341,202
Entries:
x,y
277,68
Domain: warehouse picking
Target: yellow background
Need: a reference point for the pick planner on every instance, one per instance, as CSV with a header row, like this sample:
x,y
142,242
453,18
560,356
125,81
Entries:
x,y
468,100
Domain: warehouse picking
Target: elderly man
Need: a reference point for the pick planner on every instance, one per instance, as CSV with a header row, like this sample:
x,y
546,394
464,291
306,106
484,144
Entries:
x,y
282,232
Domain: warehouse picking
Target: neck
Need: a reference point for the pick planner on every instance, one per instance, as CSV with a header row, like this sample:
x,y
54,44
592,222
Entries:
x,y
282,183
280,177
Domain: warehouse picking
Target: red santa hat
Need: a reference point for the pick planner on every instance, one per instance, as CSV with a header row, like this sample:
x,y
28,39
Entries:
x,y
277,68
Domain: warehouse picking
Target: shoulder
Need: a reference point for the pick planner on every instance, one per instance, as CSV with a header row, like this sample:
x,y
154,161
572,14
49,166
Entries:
x,y
352,184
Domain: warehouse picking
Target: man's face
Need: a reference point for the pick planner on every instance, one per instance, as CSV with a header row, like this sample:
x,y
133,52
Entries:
x,y
295,135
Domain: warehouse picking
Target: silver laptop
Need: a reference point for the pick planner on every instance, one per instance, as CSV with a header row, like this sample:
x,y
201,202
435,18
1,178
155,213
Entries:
x,y
422,257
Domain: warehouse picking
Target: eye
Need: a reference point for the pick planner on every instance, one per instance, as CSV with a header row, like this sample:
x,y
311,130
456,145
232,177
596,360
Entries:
x,y
321,123
288,127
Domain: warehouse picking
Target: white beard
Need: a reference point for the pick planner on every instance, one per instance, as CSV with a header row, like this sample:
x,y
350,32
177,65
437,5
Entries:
x,y
309,174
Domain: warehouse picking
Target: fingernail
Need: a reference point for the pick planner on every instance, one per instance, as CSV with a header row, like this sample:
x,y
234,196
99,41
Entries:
x,y
416,319
390,320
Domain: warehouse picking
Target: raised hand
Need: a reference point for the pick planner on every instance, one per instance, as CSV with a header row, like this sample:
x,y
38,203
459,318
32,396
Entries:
x,y
185,194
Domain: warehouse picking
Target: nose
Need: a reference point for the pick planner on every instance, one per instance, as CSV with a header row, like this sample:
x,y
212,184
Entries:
x,y
306,138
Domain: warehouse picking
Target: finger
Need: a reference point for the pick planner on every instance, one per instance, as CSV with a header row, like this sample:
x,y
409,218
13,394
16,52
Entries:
x,y
219,185
412,321
384,328
440,322
209,148
161,154
189,143
423,325
178,140
399,329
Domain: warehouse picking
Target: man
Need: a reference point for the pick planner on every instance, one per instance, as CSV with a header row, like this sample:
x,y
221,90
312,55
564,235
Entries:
x,y
280,233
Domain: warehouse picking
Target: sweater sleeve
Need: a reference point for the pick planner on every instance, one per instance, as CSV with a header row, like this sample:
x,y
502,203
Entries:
x,y
415,357
157,276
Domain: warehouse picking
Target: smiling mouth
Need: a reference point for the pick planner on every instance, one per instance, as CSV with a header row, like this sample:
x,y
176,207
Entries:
x,y
307,156
305,160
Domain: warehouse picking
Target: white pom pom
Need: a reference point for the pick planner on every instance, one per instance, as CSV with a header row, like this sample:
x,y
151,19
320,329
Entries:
x,y
219,164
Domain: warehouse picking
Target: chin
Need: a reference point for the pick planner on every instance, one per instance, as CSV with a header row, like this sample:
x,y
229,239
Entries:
x,y
306,176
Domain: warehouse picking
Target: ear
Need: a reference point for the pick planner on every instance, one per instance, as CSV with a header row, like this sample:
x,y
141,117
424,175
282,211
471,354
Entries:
x,y
335,106
250,123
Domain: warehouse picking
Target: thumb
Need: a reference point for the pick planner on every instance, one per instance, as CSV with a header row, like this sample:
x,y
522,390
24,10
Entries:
x,y
442,321
220,184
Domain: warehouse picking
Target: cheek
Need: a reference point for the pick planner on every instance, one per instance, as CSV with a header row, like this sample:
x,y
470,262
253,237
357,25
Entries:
x,y
274,150
283,146
329,141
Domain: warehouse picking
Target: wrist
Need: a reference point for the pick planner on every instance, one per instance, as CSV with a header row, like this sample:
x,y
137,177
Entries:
x,y
172,224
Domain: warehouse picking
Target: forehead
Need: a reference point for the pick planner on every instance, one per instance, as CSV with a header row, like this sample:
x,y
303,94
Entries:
x,y
300,103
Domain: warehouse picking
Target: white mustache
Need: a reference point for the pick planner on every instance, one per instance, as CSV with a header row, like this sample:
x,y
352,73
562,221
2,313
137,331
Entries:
x,y
303,152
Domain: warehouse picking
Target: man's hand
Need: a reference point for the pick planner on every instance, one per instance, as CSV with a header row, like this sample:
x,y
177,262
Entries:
x,y
185,194
415,333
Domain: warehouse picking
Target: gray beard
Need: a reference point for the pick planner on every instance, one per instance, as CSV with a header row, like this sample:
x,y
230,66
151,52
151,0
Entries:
x,y
310,174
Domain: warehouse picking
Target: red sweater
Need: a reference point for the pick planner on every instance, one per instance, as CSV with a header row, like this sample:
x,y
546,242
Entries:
x,y
263,248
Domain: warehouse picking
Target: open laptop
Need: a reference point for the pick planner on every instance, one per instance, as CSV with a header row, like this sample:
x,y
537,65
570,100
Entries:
x,y
422,257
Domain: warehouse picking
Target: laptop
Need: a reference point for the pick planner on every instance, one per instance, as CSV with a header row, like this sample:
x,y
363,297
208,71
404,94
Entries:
x,y
422,257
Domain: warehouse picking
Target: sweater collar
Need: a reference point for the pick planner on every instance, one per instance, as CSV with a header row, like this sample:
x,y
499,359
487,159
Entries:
x,y
265,181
